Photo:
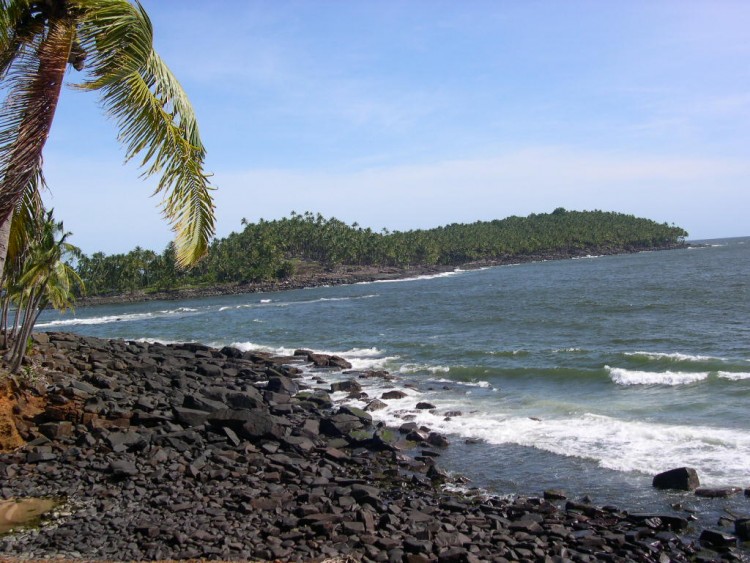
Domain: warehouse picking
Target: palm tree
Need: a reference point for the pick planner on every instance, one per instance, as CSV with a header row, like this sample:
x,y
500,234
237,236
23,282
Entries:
x,y
112,42
38,278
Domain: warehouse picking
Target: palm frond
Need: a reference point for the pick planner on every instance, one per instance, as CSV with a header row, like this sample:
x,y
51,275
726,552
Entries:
x,y
16,28
35,79
156,120
27,216
117,37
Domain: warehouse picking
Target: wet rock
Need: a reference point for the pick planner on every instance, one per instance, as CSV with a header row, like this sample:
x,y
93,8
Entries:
x,y
722,492
682,478
282,384
339,362
742,529
422,405
340,424
436,439
349,386
375,405
717,539
555,494
364,417
395,394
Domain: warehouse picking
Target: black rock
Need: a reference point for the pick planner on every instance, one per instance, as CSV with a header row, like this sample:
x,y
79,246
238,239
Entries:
x,y
742,528
722,492
340,424
349,386
395,394
190,417
682,478
717,539
123,468
282,384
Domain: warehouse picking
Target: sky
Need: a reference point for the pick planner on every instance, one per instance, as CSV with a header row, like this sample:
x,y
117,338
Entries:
x,y
415,114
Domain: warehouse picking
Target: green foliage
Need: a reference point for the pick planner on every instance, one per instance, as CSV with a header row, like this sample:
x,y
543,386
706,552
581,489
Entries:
x,y
271,250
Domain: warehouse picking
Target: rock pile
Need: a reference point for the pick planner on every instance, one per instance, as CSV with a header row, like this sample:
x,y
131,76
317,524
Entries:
x,y
184,451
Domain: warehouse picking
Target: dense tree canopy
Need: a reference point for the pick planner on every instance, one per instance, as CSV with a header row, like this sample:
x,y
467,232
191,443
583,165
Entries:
x,y
270,250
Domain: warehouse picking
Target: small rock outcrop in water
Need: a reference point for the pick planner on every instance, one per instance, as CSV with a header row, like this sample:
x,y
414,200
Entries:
x,y
186,452
682,478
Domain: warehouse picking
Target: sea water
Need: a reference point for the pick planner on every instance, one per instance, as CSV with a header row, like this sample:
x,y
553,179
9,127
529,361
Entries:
x,y
588,375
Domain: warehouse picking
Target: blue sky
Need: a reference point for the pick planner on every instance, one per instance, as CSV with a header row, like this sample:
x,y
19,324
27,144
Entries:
x,y
412,114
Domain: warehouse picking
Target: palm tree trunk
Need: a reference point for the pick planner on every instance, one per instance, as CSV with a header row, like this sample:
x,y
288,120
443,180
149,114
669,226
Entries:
x,y
41,95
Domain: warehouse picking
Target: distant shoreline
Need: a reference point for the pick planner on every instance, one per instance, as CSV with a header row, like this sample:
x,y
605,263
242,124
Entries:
x,y
347,275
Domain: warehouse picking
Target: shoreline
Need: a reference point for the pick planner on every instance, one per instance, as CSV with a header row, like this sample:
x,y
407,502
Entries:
x,y
184,451
347,275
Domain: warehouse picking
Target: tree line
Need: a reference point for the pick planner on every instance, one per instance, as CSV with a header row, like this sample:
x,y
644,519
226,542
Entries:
x,y
277,249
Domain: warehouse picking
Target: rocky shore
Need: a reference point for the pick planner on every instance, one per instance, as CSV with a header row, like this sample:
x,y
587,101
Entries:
x,y
343,275
184,452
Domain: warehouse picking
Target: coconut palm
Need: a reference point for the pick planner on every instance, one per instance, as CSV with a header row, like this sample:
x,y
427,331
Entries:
x,y
38,277
111,42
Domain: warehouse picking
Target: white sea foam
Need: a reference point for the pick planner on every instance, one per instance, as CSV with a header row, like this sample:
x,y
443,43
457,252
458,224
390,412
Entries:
x,y
163,341
252,346
126,317
631,377
324,299
96,320
360,358
416,368
676,356
265,300
417,278
474,383
733,375
719,454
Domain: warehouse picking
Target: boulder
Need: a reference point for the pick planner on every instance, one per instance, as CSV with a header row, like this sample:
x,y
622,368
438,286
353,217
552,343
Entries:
x,y
375,405
395,394
555,494
349,386
682,478
438,440
339,362
364,417
742,528
340,424
248,423
720,492
717,539
282,384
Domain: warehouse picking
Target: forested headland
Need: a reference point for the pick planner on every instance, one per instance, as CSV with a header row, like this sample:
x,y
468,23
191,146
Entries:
x,y
306,244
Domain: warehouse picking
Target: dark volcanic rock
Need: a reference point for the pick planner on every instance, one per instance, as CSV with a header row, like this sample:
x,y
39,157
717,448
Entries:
x,y
683,478
248,423
282,384
722,492
395,394
177,455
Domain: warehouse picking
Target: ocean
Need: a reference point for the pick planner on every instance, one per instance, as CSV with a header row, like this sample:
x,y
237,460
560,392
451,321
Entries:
x,y
588,375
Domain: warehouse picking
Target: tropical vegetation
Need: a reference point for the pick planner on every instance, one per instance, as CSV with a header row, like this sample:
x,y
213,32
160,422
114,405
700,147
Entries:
x,y
37,275
111,43
279,249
